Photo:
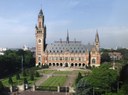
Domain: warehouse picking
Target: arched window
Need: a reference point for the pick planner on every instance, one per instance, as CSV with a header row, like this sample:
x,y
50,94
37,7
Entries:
x,y
93,61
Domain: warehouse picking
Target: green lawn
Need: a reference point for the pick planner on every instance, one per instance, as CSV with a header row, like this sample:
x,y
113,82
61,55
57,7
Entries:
x,y
55,81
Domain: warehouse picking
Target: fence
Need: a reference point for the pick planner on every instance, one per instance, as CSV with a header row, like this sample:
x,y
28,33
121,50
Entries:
x,y
46,88
52,88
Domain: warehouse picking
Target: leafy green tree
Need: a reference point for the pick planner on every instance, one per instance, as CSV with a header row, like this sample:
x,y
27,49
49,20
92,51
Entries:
x,y
124,74
105,57
31,77
25,81
1,86
102,78
24,73
83,87
78,78
37,74
17,76
124,79
10,81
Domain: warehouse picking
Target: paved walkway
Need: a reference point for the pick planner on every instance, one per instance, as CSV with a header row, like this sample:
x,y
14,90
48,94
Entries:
x,y
70,79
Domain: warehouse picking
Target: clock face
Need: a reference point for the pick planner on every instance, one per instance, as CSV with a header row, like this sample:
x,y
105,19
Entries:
x,y
39,41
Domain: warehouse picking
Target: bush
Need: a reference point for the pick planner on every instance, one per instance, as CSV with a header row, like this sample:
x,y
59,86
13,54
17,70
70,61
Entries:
x,y
24,73
32,77
37,74
10,80
17,76
78,77
25,81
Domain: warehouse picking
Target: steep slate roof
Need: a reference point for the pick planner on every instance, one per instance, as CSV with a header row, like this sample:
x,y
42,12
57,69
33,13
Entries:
x,y
40,13
71,46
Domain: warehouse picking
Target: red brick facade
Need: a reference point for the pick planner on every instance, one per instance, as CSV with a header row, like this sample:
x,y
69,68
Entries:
x,y
64,53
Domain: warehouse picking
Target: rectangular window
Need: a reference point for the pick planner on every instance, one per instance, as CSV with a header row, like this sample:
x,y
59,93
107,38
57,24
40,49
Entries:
x,y
66,58
60,58
72,58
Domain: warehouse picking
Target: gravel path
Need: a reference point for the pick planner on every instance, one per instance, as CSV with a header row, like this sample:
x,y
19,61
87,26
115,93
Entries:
x,y
70,79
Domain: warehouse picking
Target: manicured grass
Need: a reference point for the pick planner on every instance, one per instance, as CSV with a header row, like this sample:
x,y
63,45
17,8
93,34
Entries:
x,y
62,72
55,81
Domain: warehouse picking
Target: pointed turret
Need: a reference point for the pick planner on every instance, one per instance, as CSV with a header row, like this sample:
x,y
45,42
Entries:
x,y
97,37
67,39
97,42
40,13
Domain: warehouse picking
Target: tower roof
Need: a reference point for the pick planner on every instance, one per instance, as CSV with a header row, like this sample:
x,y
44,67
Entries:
x,y
97,37
40,13
67,39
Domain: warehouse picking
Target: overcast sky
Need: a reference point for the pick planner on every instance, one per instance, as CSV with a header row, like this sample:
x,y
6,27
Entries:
x,y
81,17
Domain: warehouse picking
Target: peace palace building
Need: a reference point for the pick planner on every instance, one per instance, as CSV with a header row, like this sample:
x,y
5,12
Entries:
x,y
64,53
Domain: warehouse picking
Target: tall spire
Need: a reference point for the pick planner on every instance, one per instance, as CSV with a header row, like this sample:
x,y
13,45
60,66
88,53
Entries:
x,y
97,37
40,13
97,41
67,39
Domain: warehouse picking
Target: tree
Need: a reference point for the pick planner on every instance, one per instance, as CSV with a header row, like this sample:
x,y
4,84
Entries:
x,y
31,77
124,74
25,81
124,79
1,86
37,74
83,87
105,57
24,73
102,78
10,81
17,76
78,77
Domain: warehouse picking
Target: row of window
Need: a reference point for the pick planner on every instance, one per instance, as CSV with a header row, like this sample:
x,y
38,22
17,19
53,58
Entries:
x,y
60,51
67,58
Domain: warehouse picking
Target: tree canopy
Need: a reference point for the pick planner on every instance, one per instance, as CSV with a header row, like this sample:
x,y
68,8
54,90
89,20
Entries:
x,y
10,62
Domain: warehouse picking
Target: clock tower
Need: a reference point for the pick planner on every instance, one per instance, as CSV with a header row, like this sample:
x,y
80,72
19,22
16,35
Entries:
x,y
40,30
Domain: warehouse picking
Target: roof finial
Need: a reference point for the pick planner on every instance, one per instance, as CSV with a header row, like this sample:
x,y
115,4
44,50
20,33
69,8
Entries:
x,y
67,36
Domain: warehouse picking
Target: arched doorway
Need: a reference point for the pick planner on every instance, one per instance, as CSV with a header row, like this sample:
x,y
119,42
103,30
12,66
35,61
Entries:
x,y
39,64
66,64
53,64
83,64
57,64
50,64
61,64
79,64
76,64
72,64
